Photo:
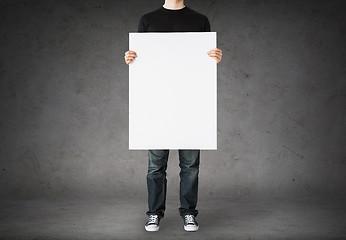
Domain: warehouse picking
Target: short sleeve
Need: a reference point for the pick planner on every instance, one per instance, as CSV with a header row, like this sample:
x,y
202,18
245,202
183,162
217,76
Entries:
x,y
141,25
207,25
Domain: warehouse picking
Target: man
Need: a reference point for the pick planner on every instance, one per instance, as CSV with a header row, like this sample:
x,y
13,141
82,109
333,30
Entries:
x,y
173,16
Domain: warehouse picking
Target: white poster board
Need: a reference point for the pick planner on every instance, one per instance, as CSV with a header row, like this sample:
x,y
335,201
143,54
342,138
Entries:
x,y
172,91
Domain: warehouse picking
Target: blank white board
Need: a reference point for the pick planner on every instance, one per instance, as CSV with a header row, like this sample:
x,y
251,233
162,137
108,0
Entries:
x,y
172,91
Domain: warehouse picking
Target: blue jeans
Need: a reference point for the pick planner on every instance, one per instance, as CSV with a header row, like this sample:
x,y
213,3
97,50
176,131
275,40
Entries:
x,y
157,181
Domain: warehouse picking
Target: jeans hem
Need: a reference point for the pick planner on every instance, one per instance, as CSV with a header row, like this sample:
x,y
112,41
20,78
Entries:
x,y
161,215
188,212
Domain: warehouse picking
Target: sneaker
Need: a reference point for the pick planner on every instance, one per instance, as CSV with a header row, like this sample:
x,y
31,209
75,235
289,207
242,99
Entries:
x,y
190,223
153,223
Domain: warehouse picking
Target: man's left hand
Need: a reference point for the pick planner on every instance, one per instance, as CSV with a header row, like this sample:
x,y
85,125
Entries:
x,y
216,54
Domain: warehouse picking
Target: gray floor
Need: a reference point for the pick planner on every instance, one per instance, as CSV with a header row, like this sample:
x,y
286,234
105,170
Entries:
x,y
218,219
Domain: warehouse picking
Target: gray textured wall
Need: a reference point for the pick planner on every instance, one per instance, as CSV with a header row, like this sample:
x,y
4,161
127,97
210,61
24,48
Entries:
x,y
64,99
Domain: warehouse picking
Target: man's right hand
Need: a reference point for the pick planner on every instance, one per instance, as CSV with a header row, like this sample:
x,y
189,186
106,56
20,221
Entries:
x,y
130,56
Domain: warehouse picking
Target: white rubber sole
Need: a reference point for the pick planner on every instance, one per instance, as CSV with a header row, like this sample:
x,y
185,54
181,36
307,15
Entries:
x,y
191,228
152,228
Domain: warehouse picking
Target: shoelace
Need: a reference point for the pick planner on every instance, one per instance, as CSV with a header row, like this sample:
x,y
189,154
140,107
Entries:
x,y
152,218
190,219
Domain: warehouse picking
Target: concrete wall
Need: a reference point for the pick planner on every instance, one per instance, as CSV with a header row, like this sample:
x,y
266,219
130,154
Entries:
x,y
64,100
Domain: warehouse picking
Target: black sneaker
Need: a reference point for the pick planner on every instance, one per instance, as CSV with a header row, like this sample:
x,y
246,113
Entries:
x,y
152,224
190,223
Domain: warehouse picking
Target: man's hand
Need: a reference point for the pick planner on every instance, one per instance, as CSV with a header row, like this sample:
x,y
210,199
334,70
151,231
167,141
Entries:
x,y
130,56
215,54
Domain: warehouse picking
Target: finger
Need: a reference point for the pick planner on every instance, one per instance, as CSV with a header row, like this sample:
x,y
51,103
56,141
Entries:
x,y
129,51
214,55
130,60
130,57
134,53
218,50
215,51
218,53
131,54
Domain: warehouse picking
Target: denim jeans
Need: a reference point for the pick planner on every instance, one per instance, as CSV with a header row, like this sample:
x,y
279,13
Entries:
x,y
157,181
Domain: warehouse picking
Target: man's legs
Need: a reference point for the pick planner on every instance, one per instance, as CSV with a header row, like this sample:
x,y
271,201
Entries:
x,y
189,170
157,181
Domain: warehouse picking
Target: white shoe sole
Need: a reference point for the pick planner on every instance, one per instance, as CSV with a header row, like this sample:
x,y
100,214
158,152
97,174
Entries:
x,y
191,228
151,228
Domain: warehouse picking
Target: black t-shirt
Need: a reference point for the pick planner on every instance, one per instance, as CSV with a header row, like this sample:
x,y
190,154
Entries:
x,y
168,20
